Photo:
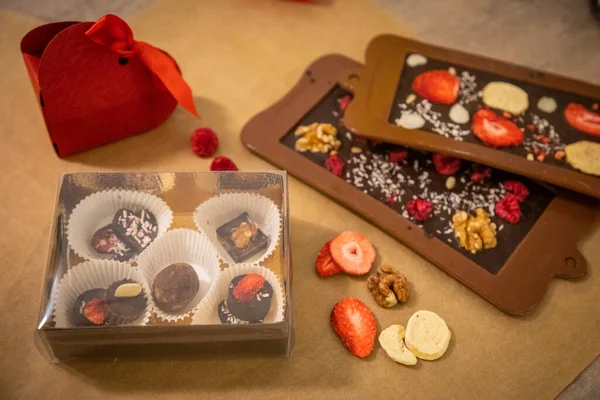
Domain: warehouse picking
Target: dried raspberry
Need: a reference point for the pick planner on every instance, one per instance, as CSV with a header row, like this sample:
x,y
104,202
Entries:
x,y
419,209
398,155
204,142
508,208
480,172
531,127
222,163
390,199
344,102
446,165
518,189
335,164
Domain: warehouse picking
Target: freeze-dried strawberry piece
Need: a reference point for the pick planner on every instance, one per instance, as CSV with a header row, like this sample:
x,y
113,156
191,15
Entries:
x,y
480,172
508,208
446,165
247,288
335,164
419,209
344,103
496,131
398,155
438,86
518,189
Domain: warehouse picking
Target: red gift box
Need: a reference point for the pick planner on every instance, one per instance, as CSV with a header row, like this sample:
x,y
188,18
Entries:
x,y
95,84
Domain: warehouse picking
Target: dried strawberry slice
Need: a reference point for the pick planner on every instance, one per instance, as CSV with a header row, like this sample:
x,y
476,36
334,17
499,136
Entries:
x,y
335,164
446,165
398,155
344,103
480,172
95,311
508,208
518,189
419,209
248,286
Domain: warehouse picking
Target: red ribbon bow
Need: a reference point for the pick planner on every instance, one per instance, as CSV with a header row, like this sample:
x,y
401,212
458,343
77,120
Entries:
x,y
111,31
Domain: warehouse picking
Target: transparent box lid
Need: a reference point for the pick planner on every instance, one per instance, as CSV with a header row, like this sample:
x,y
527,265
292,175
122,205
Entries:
x,y
165,265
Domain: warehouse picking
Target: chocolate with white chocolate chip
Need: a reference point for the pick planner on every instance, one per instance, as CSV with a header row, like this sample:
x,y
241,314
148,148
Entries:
x,y
136,229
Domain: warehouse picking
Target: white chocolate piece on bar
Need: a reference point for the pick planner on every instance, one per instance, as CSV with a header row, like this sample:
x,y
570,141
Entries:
x,y
410,120
427,335
584,156
414,60
459,114
506,97
547,104
391,342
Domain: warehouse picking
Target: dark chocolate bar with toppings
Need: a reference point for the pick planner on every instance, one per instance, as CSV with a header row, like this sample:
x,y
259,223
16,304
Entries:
x,y
395,175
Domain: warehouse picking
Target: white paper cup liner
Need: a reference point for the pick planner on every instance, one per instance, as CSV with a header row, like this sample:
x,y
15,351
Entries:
x,y
218,210
98,209
207,313
91,275
183,246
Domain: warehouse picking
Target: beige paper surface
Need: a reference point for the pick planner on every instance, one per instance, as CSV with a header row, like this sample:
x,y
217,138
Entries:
x,y
240,56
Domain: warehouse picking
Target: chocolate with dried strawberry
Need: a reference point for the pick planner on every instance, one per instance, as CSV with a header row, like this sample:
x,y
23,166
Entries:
x,y
248,300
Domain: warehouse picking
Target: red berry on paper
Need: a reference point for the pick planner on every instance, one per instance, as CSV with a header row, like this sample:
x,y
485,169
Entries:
x,y
419,209
204,142
222,163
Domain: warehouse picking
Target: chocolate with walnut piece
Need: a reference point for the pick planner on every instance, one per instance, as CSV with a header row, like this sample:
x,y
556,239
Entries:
x,y
232,236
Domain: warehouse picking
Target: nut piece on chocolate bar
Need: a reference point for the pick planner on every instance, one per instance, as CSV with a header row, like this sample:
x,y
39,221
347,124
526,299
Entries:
x,y
474,232
241,238
317,138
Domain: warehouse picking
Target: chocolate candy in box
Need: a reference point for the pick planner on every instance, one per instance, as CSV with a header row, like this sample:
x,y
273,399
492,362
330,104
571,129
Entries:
x,y
141,264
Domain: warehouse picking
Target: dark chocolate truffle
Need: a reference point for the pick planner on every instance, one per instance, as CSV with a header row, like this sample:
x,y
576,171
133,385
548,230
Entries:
x,y
125,302
249,297
241,238
175,286
137,230
90,308
105,241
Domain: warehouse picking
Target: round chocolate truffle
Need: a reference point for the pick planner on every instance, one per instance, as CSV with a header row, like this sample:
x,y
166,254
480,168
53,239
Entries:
x,y
125,302
175,286
249,297
90,308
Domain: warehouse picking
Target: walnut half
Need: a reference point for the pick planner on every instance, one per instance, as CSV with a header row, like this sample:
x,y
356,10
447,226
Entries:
x,y
474,232
388,287
242,235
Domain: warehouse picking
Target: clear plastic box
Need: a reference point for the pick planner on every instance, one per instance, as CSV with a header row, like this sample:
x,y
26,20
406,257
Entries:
x,y
168,265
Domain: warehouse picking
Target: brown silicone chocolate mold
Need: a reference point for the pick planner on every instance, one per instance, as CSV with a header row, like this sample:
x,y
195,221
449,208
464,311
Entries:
x,y
546,248
383,92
